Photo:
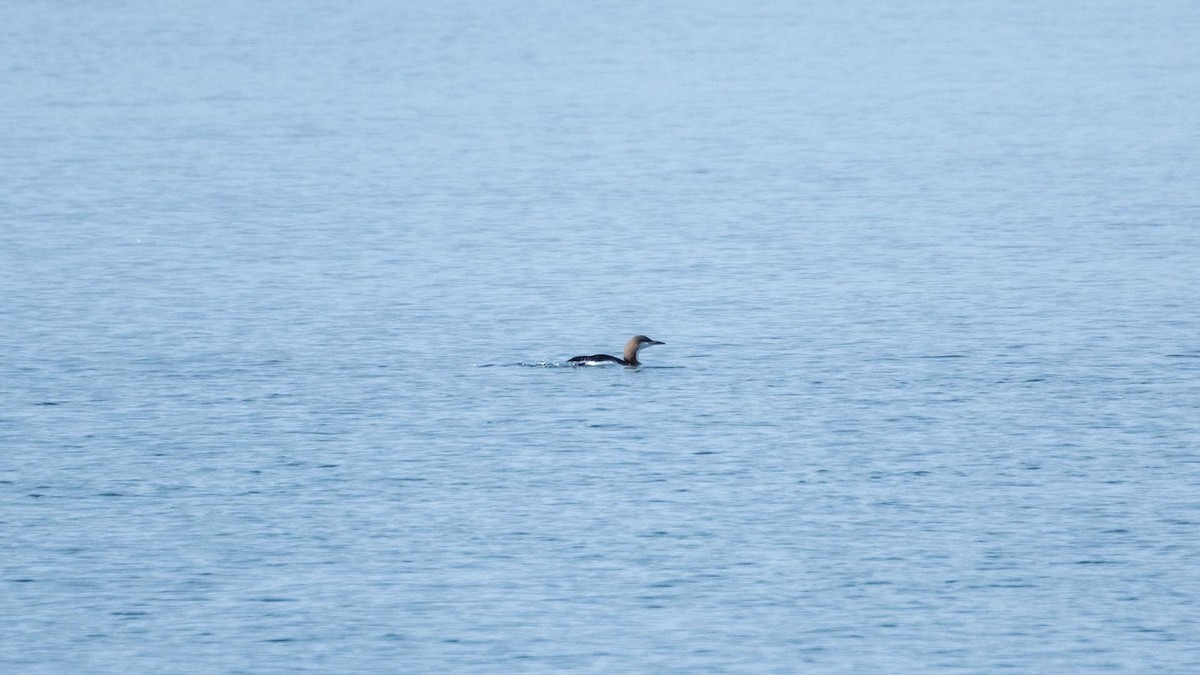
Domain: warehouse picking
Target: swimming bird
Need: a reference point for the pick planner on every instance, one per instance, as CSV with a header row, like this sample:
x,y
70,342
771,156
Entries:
x,y
635,345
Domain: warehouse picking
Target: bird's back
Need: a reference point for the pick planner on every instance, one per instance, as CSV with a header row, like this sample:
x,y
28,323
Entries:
x,y
595,358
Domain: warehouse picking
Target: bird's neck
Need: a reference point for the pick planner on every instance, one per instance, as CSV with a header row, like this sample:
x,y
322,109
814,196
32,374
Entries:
x,y
631,353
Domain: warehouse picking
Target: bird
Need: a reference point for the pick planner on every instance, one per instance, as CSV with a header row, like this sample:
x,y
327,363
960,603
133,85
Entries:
x,y
635,345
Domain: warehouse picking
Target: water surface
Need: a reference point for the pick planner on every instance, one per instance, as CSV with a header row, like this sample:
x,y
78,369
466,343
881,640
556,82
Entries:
x,y
278,285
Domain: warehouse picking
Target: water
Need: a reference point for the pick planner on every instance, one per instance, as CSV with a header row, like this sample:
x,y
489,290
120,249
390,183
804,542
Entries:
x,y
285,289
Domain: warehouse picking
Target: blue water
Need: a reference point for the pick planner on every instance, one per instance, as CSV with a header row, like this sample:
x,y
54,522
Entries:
x,y
286,290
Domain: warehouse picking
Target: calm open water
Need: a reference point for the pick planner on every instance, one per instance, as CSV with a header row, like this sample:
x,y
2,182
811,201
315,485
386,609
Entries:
x,y
285,290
